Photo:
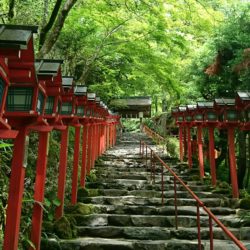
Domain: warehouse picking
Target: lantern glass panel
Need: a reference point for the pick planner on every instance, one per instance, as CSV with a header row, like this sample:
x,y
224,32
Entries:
x,y
66,108
80,111
211,116
19,99
2,85
89,112
180,119
232,115
199,117
189,118
40,103
49,105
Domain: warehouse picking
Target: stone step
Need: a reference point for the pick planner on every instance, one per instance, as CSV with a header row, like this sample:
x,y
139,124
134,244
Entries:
x,y
151,193
157,187
145,210
151,220
159,233
133,200
90,243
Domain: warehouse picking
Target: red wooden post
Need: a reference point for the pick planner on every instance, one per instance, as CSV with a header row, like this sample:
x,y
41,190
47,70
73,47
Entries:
x,y
75,165
189,147
200,151
62,171
41,165
181,142
16,187
212,155
90,140
93,145
233,171
185,142
84,154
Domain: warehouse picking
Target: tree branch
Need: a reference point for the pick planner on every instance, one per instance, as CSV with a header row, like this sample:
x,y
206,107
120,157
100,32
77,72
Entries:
x,y
46,28
56,29
11,9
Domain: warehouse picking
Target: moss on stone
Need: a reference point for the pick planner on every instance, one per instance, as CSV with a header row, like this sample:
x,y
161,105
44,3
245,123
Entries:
x,y
84,192
50,244
80,208
62,228
245,203
48,227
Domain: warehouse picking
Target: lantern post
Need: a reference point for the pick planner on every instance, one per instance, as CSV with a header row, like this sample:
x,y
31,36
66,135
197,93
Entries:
x,y
90,113
211,121
80,93
49,76
229,119
68,118
24,109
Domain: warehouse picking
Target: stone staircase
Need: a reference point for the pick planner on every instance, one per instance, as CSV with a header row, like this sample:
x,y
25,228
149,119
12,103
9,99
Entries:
x,y
122,209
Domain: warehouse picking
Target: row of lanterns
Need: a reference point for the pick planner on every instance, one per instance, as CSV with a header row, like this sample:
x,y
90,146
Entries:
x,y
34,96
223,113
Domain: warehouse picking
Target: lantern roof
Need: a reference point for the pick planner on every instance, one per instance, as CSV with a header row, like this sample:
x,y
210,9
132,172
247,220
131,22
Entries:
x,y
16,36
244,95
91,96
98,99
205,105
47,66
175,110
182,108
67,81
80,90
191,107
224,102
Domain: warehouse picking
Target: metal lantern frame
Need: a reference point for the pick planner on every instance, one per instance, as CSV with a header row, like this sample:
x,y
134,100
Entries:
x,y
26,96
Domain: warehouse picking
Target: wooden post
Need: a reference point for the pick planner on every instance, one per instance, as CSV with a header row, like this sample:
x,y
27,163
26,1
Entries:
x,y
93,145
212,155
233,171
190,163
62,171
200,151
181,142
185,142
16,187
41,166
84,154
90,140
75,165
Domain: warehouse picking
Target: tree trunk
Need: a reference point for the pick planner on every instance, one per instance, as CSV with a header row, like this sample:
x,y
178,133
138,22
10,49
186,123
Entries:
x,y
242,158
156,104
46,28
56,29
11,9
164,104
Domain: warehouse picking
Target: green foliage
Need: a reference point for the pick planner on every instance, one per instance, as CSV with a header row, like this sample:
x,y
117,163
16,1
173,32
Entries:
x,y
229,42
173,147
131,125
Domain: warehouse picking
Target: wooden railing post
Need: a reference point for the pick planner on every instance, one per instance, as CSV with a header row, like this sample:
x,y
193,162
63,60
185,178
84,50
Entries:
x,y
39,188
74,185
16,188
62,171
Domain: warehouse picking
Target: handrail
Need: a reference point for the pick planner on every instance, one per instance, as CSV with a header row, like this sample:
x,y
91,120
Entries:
x,y
153,134
212,217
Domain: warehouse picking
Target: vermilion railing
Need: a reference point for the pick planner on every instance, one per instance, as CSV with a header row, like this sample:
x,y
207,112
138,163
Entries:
x,y
158,138
153,157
